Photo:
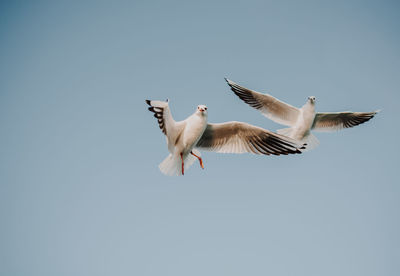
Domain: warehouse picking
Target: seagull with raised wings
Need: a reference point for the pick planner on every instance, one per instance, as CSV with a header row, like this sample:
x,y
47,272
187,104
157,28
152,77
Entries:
x,y
185,137
300,120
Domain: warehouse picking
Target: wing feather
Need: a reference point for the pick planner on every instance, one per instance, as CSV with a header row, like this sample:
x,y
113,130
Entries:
x,y
238,137
166,122
339,120
269,106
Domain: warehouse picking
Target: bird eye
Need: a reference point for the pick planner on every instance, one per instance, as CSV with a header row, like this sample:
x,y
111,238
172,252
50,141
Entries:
x,y
205,108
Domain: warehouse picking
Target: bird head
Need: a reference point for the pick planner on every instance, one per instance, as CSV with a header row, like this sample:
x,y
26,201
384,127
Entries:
x,y
202,109
311,99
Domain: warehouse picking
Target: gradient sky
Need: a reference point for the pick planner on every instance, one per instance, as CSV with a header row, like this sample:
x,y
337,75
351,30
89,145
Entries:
x,y
80,189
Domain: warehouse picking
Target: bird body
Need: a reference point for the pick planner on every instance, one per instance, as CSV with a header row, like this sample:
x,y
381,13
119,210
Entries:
x,y
301,128
184,138
181,136
195,126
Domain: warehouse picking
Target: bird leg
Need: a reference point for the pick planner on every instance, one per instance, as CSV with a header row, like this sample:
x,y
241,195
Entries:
x,y
200,160
183,166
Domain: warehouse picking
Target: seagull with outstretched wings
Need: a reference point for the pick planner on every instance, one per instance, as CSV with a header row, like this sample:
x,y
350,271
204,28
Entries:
x,y
185,138
300,120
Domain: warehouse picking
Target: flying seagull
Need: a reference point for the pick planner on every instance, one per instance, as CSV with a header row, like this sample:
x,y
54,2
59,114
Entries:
x,y
185,137
300,120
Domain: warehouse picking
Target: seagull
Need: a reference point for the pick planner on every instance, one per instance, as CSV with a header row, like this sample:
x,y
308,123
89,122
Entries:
x,y
300,120
184,138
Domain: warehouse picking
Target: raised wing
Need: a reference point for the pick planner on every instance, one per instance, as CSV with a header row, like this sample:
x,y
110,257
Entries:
x,y
164,118
339,120
237,137
270,107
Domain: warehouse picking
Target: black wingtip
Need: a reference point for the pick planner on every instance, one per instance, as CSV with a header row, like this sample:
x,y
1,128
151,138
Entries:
x,y
304,146
148,102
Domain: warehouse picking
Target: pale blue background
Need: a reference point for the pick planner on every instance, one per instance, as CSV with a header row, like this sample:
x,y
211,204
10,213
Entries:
x,y
80,190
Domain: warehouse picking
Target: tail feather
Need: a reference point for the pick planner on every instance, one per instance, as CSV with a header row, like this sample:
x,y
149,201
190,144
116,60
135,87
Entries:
x,y
310,140
172,164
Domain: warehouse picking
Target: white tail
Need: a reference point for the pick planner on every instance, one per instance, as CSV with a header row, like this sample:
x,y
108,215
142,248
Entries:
x,y
311,141
172,165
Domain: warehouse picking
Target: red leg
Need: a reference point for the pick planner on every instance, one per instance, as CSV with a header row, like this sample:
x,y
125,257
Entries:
x,y
200,160
183,165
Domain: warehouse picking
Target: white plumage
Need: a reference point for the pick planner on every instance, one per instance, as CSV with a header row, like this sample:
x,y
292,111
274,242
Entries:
x,y
300,120
184,137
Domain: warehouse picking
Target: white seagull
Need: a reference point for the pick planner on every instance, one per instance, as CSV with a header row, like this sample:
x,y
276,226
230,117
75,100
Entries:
x,y
184,137
300,120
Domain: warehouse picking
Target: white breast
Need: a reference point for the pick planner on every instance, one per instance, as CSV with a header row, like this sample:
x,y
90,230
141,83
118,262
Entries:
x,y
196,124
304,122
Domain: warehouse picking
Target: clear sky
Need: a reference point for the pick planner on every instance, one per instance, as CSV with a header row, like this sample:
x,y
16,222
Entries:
x,y
80,189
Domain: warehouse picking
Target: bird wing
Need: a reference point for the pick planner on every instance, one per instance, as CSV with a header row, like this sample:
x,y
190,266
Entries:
x,y
325,122
269,106
163,115
238,137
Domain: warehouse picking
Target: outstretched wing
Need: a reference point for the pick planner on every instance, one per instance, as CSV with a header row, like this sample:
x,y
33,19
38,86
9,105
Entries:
x,y
164,118
270,107
238,137
339,120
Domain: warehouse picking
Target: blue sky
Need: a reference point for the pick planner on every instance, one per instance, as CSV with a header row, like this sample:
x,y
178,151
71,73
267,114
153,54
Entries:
x,y
80,190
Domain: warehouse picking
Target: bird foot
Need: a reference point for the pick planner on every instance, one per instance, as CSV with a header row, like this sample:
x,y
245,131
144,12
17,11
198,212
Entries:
x,y
200,160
